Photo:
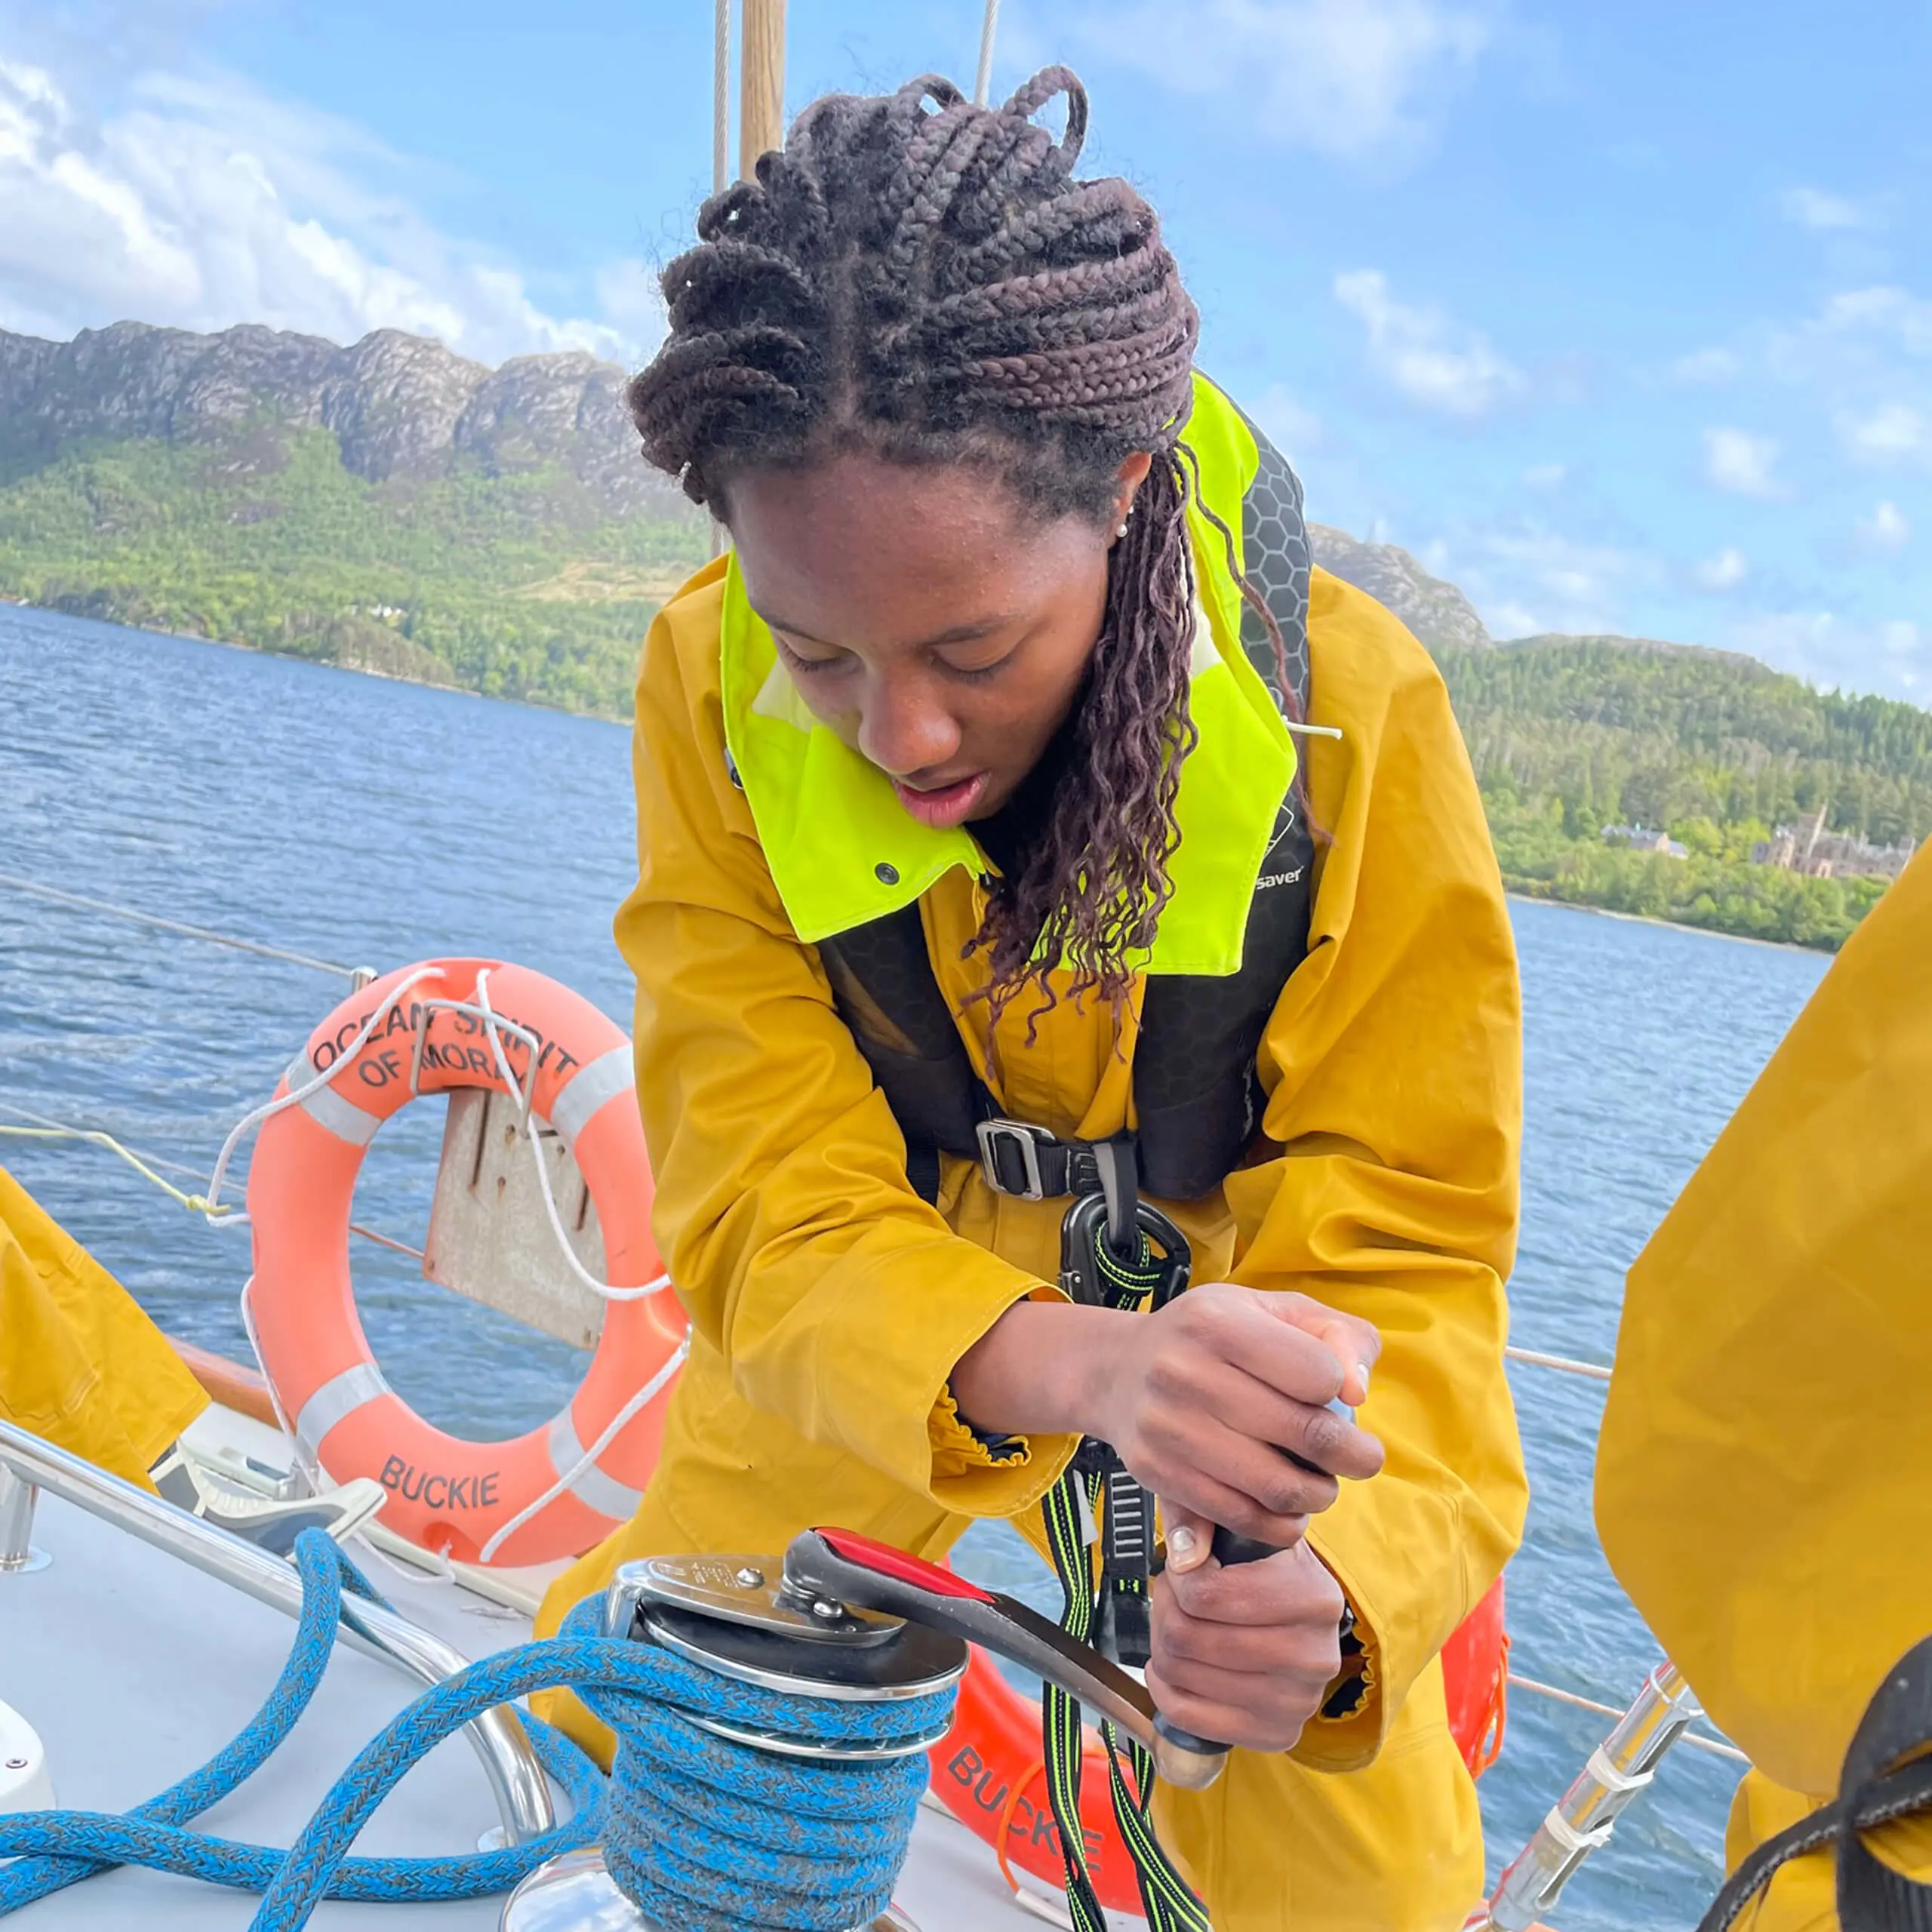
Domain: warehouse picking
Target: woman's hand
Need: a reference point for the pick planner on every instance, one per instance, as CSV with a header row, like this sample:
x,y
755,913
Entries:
x,y
1200,1400
1245,1655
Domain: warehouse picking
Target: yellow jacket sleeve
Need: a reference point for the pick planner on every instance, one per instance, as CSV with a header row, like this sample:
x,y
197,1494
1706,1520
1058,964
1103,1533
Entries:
x,y
838,1298
1763,1486
1393,1066
81,1364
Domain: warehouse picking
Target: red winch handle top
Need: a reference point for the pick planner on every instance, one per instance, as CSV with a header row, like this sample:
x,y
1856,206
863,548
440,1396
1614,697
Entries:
x,y
900,1565
841,1567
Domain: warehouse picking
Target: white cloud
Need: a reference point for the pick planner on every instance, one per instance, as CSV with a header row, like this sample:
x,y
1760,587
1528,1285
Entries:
x,y
1527,581
1293,429
1431,360
1707,366
1812,208
1352,79
1886,528
1893,656
1895,433
1724,571
1546,475
1740,463
1906,317
204,202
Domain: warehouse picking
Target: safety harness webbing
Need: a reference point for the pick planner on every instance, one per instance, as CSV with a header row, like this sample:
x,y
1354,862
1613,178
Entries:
x,y
1097,1495
1886,1776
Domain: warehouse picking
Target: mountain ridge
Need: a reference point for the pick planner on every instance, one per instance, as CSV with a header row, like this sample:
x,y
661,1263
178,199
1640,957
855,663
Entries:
x,y
394,507
400,407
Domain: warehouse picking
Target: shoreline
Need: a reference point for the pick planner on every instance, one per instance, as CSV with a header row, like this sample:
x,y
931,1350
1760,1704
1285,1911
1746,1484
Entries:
x,y
319,663
1670,925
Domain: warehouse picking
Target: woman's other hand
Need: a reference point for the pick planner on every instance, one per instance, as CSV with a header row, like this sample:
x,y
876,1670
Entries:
x,y
1245,1655
1200,1400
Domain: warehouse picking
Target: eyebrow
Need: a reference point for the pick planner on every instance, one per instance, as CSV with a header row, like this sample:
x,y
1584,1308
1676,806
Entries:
x,y
959,633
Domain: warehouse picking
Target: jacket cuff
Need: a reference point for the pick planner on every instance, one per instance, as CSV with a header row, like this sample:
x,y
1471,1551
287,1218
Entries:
x,y
977,1473
1345,1734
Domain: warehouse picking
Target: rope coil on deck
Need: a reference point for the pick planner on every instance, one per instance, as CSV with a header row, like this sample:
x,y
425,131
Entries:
x,y
699,1831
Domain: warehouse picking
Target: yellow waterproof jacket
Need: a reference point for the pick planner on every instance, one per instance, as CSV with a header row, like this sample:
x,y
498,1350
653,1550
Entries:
x,y
829,1302
1764,1473
80,1363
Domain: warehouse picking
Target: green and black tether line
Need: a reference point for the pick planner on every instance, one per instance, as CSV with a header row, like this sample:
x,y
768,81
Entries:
x,y
1117,1252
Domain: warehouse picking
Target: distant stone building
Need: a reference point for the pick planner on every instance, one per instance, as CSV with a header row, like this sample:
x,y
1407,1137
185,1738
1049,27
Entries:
x,y
1817,853
1640,838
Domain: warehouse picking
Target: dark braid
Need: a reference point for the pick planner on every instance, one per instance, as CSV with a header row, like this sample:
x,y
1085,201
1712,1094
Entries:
x,y
925,279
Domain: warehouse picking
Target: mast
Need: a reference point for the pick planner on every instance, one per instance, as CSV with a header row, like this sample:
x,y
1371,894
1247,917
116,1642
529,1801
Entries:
x,y
760,83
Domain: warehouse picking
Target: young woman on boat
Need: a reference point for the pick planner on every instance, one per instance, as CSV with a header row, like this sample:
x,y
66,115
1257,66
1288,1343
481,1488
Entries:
x,y
985,648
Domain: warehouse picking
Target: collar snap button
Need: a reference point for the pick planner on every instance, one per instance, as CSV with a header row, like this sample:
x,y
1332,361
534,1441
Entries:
x,y
886,875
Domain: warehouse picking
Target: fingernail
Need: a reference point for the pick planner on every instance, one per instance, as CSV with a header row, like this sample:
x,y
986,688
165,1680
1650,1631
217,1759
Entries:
x,y
1361,1375
1183,1546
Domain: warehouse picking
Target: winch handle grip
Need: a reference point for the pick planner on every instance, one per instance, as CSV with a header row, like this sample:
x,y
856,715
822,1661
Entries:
x,y
1229,1549
842,1566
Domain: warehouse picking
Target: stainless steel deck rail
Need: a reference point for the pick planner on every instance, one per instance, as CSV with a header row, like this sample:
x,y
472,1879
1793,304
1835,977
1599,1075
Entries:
x,y
498,1737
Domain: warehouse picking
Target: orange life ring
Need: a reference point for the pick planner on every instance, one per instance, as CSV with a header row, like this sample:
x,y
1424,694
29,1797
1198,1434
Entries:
x,y
989,1772
427,1028
1476,1682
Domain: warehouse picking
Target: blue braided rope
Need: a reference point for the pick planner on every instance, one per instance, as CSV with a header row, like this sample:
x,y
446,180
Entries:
x,y
701,1833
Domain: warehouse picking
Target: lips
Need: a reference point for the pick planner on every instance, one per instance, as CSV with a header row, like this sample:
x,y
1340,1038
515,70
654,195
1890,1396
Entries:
x,y
942,805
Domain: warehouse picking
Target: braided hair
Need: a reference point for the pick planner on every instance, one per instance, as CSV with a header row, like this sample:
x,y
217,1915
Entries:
x,y
925,280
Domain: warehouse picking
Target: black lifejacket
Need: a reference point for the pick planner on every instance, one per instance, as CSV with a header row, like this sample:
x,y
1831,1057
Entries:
x,y
1197,1092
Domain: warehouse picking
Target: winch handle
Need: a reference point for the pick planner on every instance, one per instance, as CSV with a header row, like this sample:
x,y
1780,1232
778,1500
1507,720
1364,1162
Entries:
x,y
1229,1549
840,1566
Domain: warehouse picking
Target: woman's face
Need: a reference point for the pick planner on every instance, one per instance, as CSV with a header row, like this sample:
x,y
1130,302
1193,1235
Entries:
x,y
926,615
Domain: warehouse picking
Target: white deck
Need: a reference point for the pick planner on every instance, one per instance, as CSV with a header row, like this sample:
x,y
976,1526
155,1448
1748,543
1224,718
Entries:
x,y
134,1668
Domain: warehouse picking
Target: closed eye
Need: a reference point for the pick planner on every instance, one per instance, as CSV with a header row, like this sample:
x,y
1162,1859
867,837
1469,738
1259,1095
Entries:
x,y
809,666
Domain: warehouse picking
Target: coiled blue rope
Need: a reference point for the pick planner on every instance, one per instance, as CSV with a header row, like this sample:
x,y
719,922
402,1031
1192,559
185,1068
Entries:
x,y
702,1834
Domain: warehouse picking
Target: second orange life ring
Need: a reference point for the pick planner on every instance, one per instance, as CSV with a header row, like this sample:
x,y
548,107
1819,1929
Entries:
x,y
427,1029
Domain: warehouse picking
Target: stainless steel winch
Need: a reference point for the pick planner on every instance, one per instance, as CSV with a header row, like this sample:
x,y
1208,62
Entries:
x,y
840,1617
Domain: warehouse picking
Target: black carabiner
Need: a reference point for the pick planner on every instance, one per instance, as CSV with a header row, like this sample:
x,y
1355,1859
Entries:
x,y
1093,1272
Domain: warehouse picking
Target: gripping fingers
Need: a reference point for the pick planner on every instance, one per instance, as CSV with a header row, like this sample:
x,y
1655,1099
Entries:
x,y
1256,1713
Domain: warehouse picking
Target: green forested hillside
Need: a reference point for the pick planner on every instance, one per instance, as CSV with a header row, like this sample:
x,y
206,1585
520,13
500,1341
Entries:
x,y
1569,734
521,586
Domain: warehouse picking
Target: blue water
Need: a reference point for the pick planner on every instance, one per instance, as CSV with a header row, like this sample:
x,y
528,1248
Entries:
x,y
367,822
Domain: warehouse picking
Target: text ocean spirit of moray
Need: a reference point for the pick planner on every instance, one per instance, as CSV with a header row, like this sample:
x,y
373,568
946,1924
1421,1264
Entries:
x,y
376,1065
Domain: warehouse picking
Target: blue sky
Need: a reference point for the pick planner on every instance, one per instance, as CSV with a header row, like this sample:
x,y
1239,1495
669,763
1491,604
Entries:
x,y
1619,318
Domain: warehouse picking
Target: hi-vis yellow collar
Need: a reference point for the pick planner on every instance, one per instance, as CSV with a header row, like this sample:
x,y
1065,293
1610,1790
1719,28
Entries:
x,y
843,851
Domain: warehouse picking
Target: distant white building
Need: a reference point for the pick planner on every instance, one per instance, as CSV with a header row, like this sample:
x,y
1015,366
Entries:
x,y
1640,838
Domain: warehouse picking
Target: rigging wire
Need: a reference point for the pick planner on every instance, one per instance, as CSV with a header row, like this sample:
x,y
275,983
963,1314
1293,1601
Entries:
x,y
982,82
1567,1364
1715,1746
60,896
45,1127
720,97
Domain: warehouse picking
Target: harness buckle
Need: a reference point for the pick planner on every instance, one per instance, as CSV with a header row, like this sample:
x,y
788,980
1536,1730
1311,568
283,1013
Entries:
x,y
1027,1140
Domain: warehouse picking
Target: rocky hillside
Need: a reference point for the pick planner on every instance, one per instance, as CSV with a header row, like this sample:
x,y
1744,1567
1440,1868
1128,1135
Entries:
x,y
388,507
398,406
1439,614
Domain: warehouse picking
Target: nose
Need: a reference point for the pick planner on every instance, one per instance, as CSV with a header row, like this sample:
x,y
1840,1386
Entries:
x,y
905,728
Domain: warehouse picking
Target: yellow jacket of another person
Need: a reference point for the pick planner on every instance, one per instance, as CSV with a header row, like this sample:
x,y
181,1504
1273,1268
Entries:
x,y
829,1302
80,1364
1764,1475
